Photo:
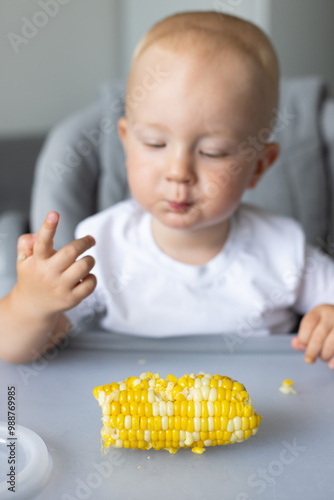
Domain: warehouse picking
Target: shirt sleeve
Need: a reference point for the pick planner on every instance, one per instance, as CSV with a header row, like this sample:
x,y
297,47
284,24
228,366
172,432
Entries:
x,y
316,280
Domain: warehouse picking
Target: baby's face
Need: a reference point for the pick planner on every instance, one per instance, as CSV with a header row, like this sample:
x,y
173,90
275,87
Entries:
x,y
183,137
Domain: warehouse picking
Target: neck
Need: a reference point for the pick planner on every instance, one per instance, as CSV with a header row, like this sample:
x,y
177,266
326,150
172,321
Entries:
x,y
193,246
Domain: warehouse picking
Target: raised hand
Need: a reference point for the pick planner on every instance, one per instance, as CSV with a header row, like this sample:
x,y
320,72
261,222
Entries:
x,y
51,281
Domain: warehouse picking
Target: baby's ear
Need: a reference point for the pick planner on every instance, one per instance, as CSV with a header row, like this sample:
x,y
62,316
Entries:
x,y
266,158
122,129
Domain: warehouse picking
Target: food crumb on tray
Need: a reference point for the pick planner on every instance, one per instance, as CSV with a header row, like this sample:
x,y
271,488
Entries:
x,y
287,387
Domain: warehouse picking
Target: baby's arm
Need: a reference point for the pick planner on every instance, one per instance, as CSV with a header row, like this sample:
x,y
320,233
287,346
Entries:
x,y
316,335
49,283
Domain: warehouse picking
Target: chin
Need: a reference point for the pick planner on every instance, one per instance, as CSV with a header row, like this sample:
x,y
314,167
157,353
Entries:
x,y
179,220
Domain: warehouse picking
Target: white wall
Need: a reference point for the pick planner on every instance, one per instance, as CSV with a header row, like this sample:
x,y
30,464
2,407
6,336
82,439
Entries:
x,y
58,69
139,16
303,34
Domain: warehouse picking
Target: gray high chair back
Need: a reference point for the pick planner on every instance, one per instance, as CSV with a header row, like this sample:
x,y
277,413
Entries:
x,y
81,171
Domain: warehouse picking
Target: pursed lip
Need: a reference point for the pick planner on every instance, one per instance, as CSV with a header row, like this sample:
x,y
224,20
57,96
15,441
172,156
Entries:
x,y
179,205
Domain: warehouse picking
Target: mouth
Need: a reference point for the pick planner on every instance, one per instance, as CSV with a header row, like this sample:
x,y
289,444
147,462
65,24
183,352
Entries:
x,y
179,207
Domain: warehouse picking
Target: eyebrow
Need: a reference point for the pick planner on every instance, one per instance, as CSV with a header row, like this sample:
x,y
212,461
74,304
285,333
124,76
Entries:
x,y
139,125
214,133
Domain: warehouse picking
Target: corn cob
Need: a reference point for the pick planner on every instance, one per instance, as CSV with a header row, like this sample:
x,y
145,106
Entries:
x,y
193,411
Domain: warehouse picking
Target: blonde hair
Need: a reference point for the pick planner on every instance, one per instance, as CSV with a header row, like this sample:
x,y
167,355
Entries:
x,y
210,34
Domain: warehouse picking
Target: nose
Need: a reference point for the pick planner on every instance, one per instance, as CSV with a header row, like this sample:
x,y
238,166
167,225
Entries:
x,y
180,169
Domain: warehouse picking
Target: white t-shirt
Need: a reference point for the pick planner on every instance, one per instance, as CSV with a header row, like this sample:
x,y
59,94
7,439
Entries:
x,y
262,279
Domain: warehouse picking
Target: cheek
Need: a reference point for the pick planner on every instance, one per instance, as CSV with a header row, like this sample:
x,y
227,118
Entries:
x,y
141,180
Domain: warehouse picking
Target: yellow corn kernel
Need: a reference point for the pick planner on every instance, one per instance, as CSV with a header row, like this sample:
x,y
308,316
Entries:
x,y
184,423
252,421
143,422
213,383
184,409
225,408
204,409
244,423
157,423
172,378
177,408
221,394
232,413
125,409
177,423
191,411
190,425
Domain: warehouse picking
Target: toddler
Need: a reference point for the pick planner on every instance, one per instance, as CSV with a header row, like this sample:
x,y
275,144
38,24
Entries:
x,y
183,256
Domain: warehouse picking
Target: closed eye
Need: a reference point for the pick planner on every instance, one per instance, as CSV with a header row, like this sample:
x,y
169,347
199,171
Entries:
x,y
213,155
155,145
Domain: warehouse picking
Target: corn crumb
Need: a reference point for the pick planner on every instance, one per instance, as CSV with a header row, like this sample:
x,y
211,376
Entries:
x,y
287,387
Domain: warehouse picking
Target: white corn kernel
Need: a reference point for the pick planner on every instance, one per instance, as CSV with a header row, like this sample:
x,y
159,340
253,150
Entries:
x,y
196,436
198,396
155,409
239,434
197,408
211,425
205,381
170,409
198,383
162,408
147,435
237,423
189,439
205,391
212,394
233,438
150,396
127,422
106,409
211,408
207,442
230,426
101,397
197,424
164,423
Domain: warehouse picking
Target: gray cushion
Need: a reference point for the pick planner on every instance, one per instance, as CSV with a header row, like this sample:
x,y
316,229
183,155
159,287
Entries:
x,y
296,184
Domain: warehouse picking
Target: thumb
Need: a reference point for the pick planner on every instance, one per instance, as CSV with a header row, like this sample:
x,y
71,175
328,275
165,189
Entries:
x,y
25,245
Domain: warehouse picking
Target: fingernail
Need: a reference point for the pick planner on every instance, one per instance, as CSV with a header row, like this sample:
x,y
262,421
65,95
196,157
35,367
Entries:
x,y
331,364
21,256
308,359
92,239
51,217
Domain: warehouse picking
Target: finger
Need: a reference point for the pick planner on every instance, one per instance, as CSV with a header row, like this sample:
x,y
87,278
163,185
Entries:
x,y
327,351
79,270
296,344
307,326
25,245
331,364
43,247
316,342
65,257
84,288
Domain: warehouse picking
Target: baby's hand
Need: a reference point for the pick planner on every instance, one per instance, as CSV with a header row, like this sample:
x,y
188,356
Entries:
x,y
50,281
316,335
